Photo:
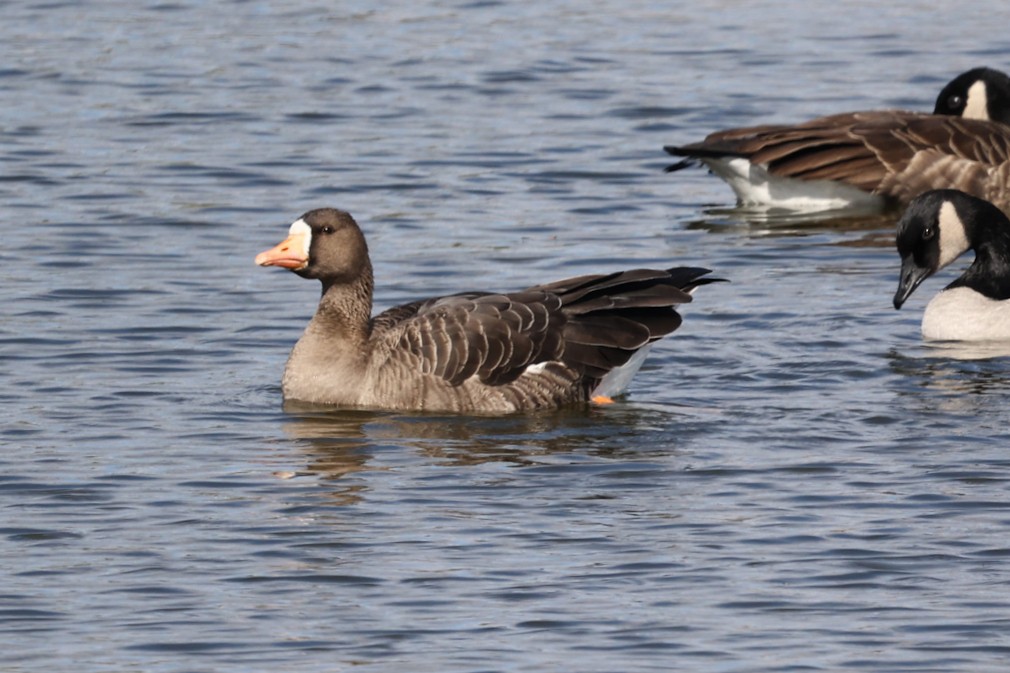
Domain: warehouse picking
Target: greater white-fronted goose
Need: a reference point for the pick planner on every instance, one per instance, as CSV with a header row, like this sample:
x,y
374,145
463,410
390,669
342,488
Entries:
x,y
871,159
548,346
937,228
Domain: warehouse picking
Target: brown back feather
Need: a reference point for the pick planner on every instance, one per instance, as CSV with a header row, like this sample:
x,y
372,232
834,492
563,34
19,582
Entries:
x,y
875,151
590,323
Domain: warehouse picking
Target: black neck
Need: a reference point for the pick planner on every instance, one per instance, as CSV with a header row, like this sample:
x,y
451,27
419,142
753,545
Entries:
x,y
989,274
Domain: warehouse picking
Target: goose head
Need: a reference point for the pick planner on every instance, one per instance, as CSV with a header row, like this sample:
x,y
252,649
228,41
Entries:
x,y
938,227
325,244
980,93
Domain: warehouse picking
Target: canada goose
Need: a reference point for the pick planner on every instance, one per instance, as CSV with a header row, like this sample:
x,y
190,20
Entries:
x,y
936,228
550,345
871,159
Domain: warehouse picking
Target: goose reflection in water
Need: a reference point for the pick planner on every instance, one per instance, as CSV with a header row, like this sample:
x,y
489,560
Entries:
x,y
969,375
345,442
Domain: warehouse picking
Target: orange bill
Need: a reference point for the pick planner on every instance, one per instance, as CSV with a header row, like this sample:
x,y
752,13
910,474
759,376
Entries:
x,y
291,253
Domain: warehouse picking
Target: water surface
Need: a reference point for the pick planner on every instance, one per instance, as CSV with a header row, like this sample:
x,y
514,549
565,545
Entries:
x,y
795,482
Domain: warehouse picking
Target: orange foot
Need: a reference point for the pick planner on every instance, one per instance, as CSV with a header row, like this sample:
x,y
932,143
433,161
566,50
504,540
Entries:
x,y
602,399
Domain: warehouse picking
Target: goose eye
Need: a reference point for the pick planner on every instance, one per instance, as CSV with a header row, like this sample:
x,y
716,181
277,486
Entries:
x,y
327,229
927,233
955,102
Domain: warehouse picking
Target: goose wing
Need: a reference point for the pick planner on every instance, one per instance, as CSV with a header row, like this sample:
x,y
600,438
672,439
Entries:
x,y
826,148
611,316
891,152
494,337
589,323
944,153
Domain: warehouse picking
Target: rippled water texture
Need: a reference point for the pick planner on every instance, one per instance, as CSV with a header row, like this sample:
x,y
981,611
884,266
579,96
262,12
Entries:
x,y
795,483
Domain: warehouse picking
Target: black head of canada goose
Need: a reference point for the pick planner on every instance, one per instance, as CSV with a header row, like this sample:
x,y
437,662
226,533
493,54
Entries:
x,y
937,228
544,347
872,159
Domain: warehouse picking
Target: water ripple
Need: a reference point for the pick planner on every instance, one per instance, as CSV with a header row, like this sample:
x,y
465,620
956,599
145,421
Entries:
x,y
795,482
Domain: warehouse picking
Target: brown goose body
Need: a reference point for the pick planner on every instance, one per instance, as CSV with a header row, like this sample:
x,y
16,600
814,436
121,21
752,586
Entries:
x,y
879,158
545,347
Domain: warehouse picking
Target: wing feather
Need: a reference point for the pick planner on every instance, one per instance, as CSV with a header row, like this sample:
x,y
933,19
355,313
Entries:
x,y
874,151
492,336
590,323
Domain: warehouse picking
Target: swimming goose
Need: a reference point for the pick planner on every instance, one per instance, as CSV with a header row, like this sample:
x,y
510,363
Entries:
x,y
562,343
936,229
871,159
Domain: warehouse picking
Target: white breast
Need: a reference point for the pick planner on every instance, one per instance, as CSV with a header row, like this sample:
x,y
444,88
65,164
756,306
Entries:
x,y
962,314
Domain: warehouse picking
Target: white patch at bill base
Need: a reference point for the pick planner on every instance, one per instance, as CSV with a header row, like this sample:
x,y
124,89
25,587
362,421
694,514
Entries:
x,y
303,231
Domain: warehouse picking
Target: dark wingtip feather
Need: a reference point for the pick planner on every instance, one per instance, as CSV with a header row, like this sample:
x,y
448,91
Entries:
x,y
672,149
694,153
678,151
610,317
680,165
689,277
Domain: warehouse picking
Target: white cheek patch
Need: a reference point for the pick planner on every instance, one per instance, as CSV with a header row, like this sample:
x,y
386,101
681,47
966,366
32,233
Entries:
x,y
302,232
953,238
977,105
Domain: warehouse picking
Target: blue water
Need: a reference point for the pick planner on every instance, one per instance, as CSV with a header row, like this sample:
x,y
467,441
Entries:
x,y
795,482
